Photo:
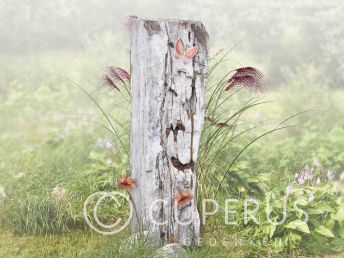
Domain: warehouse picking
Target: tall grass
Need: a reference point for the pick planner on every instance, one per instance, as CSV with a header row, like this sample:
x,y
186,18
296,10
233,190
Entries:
x,y
240,155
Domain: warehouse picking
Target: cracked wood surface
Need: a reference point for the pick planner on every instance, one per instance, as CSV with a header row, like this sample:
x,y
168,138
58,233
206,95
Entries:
x,y
167,118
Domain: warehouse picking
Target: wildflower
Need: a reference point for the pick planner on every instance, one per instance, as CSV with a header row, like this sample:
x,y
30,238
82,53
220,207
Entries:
x,y
309,174
318,181
58,192
2,192
182,198
330,175
289,189
300,180
311,197
126,182
296,175
341,177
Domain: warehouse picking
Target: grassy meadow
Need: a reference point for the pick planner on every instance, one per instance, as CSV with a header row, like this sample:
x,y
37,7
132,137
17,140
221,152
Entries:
x,y
52,134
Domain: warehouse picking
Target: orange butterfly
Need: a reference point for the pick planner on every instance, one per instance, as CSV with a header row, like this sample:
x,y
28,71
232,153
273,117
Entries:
x,y
126,182
182,198
185,55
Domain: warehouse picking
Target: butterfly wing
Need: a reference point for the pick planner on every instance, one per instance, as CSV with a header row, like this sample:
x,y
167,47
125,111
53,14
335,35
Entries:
x,y
191,52
179,49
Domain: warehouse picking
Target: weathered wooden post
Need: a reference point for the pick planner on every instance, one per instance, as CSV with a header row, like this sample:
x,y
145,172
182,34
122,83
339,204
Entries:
x,y
168,73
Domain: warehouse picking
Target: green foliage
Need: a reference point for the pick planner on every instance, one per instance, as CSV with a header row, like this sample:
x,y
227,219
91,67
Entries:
x,y
307,221
264,169
241,156
31,208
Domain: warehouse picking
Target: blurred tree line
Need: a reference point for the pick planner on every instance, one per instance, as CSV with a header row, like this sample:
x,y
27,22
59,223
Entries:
x,y
282,35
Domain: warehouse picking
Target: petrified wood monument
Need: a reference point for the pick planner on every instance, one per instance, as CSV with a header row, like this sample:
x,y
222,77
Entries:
x,y
168,72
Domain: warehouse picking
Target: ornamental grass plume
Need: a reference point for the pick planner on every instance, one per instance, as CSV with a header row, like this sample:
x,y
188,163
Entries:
x,y
247,77
114,76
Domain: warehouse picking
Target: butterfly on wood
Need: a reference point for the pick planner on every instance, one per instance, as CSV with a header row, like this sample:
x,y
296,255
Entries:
x,y
185,55
183,198
126,182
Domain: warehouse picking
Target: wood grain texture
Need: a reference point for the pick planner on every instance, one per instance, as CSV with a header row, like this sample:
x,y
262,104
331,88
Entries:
x,y
167,118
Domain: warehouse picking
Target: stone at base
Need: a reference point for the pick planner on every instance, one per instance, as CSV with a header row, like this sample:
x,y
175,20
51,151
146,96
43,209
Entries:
x,y
171,251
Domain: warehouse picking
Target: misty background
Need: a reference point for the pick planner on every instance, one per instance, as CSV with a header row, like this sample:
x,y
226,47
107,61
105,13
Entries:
x,y
279,37
299,46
